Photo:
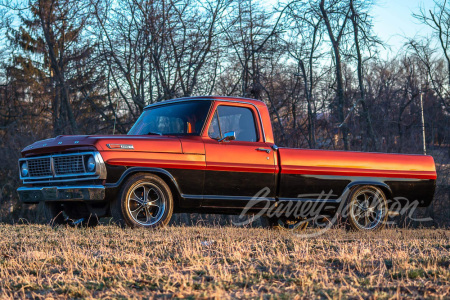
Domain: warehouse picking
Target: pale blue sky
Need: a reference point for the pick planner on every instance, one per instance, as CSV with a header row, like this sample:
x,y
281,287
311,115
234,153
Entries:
x,y
393,21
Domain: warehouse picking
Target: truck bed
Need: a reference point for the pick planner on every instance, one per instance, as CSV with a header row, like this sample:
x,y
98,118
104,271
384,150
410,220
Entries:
x,y
305,173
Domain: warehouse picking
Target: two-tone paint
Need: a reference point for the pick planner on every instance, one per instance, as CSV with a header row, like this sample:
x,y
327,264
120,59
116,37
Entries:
x,y
212,176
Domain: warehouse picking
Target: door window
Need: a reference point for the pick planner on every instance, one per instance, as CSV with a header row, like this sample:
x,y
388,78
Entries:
x,y
232,118
214,130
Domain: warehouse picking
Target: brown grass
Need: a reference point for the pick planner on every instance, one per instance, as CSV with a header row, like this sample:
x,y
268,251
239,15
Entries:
x,y
40,261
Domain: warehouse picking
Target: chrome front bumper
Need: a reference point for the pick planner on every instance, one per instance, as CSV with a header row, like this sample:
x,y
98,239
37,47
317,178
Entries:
x,y
61,193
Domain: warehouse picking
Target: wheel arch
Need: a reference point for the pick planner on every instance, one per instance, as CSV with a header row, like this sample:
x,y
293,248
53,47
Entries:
x,y
162,173
354,184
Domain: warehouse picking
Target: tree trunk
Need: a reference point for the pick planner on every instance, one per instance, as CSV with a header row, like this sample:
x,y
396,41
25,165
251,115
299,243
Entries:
x,y
366,112
339,79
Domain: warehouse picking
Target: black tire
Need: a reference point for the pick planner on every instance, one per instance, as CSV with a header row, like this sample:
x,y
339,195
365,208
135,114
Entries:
x,y
284,223
367,202
134,204
69,213
79,215
54,213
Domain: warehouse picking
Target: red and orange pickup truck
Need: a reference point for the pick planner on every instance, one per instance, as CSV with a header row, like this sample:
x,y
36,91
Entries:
x,y
212,155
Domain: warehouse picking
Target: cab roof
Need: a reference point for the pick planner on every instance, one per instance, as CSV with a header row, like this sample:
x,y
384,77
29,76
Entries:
x,y
217,98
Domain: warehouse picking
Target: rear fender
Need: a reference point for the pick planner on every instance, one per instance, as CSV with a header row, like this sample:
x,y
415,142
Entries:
x,y
384,187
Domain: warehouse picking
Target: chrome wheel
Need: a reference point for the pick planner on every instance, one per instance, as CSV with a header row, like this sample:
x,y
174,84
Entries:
x,y
368,208
146,203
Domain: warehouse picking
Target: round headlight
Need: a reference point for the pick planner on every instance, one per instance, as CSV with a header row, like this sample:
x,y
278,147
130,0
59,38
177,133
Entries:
x,y
90,164
24,169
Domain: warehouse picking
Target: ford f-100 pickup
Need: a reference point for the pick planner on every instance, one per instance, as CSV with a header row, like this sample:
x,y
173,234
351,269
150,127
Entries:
x,y
212,155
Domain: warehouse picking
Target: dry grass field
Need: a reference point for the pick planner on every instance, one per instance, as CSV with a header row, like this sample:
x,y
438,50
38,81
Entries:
x,y
221,262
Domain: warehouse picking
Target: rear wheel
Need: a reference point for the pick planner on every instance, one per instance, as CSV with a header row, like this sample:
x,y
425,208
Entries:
x,y
69,213
367,209
145,200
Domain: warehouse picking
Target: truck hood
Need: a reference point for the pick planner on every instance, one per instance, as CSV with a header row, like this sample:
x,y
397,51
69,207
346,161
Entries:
x,y
143,143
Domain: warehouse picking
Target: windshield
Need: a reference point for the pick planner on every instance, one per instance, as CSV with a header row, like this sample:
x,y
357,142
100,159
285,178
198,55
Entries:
x,y
182,118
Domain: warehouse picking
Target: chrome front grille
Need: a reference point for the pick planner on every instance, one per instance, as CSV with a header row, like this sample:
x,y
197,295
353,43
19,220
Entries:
x,y
40,167
73,164
62,167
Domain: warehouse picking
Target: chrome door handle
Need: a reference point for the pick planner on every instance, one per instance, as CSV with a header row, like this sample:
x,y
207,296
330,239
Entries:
x,y
263,149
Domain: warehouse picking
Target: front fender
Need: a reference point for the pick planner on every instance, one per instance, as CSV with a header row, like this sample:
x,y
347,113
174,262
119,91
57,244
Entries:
x,y
134,170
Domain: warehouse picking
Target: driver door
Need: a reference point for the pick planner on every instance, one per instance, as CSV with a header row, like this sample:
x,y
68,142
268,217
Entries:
x,y
237,170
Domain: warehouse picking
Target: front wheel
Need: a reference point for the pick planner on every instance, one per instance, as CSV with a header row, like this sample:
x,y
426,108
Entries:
x,y
145,200
367,209
69,213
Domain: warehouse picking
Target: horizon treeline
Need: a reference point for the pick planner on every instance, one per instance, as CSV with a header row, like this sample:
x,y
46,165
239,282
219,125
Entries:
x,y
91,66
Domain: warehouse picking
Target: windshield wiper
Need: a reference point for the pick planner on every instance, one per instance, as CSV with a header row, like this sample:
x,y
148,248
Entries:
x,y
154,133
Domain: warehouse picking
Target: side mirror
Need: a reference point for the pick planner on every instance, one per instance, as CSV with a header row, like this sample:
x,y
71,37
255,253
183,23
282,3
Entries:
x,y
228,136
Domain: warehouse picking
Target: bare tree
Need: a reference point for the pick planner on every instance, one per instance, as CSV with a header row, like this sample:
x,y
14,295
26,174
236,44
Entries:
x,y
195,35
335,16
438,19
124,46
157,50
426,55
361,23
306,40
